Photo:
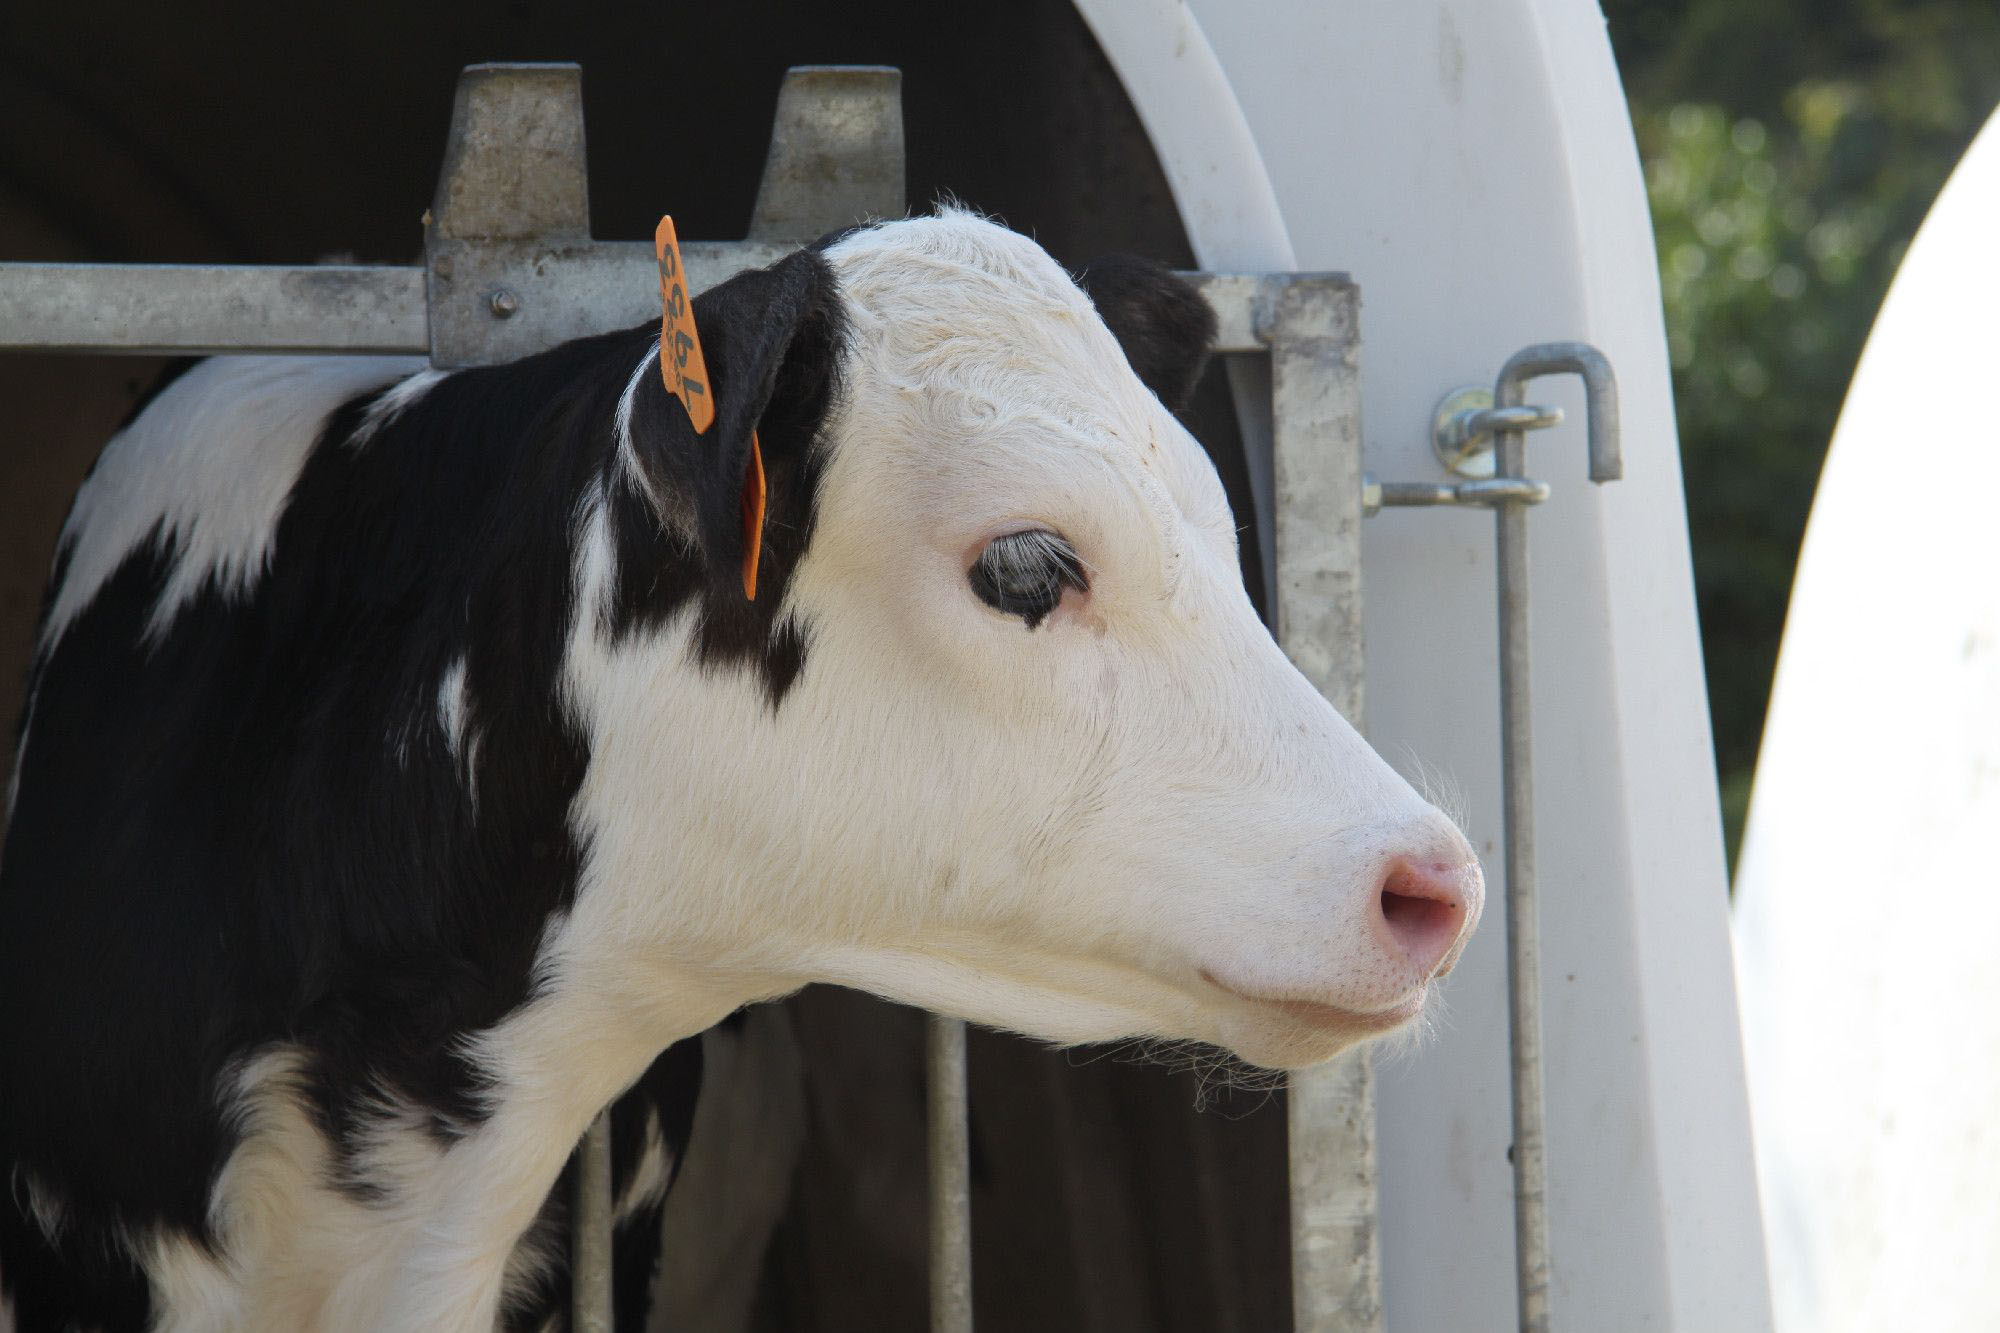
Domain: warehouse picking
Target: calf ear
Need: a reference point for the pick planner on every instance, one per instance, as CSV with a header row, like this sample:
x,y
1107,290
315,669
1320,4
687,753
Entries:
x,y
1164,325
771,338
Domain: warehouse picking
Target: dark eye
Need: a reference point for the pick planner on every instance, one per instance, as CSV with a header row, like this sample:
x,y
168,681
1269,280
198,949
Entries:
x,y
1024,574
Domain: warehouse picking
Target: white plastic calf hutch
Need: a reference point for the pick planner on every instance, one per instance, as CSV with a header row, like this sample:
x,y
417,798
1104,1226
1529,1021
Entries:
x,y
1466,175
1872,1028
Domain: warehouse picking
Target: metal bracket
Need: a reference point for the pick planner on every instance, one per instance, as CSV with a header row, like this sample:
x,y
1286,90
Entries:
x,y
1462,428
836,152
1471,426
512,210
510,266
1379,495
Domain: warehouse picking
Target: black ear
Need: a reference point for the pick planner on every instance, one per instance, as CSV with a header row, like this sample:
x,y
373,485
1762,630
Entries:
x,y
772,339
1164,325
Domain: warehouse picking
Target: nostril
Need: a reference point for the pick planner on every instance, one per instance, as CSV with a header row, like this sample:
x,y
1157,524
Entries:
x,y
1424,909
1407,915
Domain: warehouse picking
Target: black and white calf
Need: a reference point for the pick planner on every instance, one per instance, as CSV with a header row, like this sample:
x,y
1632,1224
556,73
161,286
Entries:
x,y
404,771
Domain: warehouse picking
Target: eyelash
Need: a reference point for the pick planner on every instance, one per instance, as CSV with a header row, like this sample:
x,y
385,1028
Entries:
x,y
1024,574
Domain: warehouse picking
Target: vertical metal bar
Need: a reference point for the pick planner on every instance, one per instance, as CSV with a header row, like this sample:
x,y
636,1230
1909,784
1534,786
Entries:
x,y
951,1179
1517,763
1524,948
1316,457
590,1232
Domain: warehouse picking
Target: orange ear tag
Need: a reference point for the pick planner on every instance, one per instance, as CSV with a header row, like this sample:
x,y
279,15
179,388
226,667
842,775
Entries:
x,y
685,372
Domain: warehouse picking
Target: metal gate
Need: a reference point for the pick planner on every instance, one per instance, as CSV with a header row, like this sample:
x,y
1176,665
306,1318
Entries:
x,y
511,268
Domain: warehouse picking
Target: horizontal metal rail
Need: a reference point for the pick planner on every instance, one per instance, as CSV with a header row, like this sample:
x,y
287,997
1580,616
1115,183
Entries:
x,y
182,309
151,308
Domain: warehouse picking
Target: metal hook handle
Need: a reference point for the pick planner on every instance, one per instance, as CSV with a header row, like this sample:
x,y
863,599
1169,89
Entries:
x,y
1600,387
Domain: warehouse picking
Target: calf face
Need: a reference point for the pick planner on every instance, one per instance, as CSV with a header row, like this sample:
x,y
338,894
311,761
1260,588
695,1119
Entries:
x,y
1028,755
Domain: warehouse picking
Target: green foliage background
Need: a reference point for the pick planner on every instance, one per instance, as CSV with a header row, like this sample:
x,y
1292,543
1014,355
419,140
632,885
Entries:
x,y
1791,149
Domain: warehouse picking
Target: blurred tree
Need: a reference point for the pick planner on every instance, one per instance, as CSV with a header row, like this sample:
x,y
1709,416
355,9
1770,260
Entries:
x,y
1791,149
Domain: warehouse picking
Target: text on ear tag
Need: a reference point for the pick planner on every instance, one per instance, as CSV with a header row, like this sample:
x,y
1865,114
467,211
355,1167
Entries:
x,y
685,373
682,365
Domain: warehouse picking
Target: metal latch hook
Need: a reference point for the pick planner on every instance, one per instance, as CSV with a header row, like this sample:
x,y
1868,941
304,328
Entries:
x,y
1600,387
1467,421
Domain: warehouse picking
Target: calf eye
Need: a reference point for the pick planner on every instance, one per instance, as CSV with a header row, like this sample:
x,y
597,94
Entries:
x,y
1024,574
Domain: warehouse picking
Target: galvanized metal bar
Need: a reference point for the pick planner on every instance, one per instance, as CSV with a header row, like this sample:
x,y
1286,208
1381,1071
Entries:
x,y
510,216
185,309
1242,306
951,1177
1524,949
591,1309
188,309
1379,495
1311,331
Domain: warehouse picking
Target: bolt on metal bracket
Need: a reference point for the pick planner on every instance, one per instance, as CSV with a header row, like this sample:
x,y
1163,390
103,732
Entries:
x,y
1463,424
1469,424
512,208
836,152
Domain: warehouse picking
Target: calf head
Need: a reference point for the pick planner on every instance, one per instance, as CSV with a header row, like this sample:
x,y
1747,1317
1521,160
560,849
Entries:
x,y
1001,735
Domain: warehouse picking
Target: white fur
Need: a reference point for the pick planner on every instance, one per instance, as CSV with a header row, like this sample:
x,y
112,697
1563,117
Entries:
x,y
208,467
451,707
393,403
461,733
298,1253
648,1184
44,1208
1075,832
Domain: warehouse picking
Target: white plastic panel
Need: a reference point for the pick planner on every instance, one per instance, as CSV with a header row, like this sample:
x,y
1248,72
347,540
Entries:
x,y
1868,897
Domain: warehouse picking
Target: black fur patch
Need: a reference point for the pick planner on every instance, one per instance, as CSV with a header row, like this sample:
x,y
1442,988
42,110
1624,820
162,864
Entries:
x,y
253,832
78,1283
1162,322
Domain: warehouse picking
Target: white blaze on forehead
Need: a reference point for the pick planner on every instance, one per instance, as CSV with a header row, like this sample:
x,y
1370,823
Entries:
x,y
208,467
